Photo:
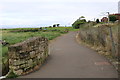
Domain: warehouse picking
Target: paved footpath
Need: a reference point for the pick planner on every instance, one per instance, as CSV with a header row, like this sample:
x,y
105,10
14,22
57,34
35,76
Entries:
x,y
68,59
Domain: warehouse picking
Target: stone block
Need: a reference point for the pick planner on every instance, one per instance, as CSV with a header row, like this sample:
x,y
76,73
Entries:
x,y
30,62
18,62
32,54
18,72
39,56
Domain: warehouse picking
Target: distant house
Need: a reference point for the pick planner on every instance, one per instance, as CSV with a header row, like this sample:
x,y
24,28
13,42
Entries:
x,y
117,16
104,19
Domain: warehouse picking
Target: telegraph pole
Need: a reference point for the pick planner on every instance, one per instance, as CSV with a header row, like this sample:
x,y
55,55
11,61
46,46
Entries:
x,y
108,17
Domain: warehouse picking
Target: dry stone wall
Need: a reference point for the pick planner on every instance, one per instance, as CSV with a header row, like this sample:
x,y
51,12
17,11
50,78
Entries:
x,y
27,56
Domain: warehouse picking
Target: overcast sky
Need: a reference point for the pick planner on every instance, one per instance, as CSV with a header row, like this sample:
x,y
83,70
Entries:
x,y
49,12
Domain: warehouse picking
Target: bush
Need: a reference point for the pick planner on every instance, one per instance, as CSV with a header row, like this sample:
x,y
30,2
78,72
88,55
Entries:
x,y
77,24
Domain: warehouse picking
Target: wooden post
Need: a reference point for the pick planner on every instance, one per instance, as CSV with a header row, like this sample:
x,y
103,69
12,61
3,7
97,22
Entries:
x,y
112,42
119,49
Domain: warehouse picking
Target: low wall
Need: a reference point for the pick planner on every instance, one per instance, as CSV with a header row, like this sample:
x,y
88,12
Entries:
x,y
27,56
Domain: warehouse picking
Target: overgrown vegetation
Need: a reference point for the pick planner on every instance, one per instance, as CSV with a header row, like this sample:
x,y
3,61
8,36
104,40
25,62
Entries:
x,y
99,38
11,74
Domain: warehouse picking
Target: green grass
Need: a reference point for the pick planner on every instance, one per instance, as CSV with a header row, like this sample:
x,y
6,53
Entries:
x,y
15,37
11,75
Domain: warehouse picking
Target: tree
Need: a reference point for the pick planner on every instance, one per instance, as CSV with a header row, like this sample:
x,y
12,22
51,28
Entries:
x,y
112,18
54,25
77,24
89,21
40,28
97,21
82,17
50,26
58,25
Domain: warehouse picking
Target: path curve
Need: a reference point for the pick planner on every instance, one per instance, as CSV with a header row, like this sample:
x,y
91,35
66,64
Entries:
x,y
68,59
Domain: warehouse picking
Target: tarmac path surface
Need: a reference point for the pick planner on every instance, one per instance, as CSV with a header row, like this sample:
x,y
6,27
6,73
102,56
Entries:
x,y
68,59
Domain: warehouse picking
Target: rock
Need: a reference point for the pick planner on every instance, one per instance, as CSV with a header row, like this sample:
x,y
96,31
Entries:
x,y
32,54
18,72
30,62
4,43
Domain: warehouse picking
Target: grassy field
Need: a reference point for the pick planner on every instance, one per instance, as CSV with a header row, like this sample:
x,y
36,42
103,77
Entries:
x,y
13,36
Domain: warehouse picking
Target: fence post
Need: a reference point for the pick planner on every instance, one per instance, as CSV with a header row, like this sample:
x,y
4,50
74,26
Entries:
x,y
112,42
118,42
119,49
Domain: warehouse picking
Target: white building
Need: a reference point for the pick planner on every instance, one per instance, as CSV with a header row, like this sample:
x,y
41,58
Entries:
x,y
119,7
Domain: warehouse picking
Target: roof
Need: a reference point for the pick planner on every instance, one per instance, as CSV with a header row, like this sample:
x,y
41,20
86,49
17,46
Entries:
x,y
116,14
